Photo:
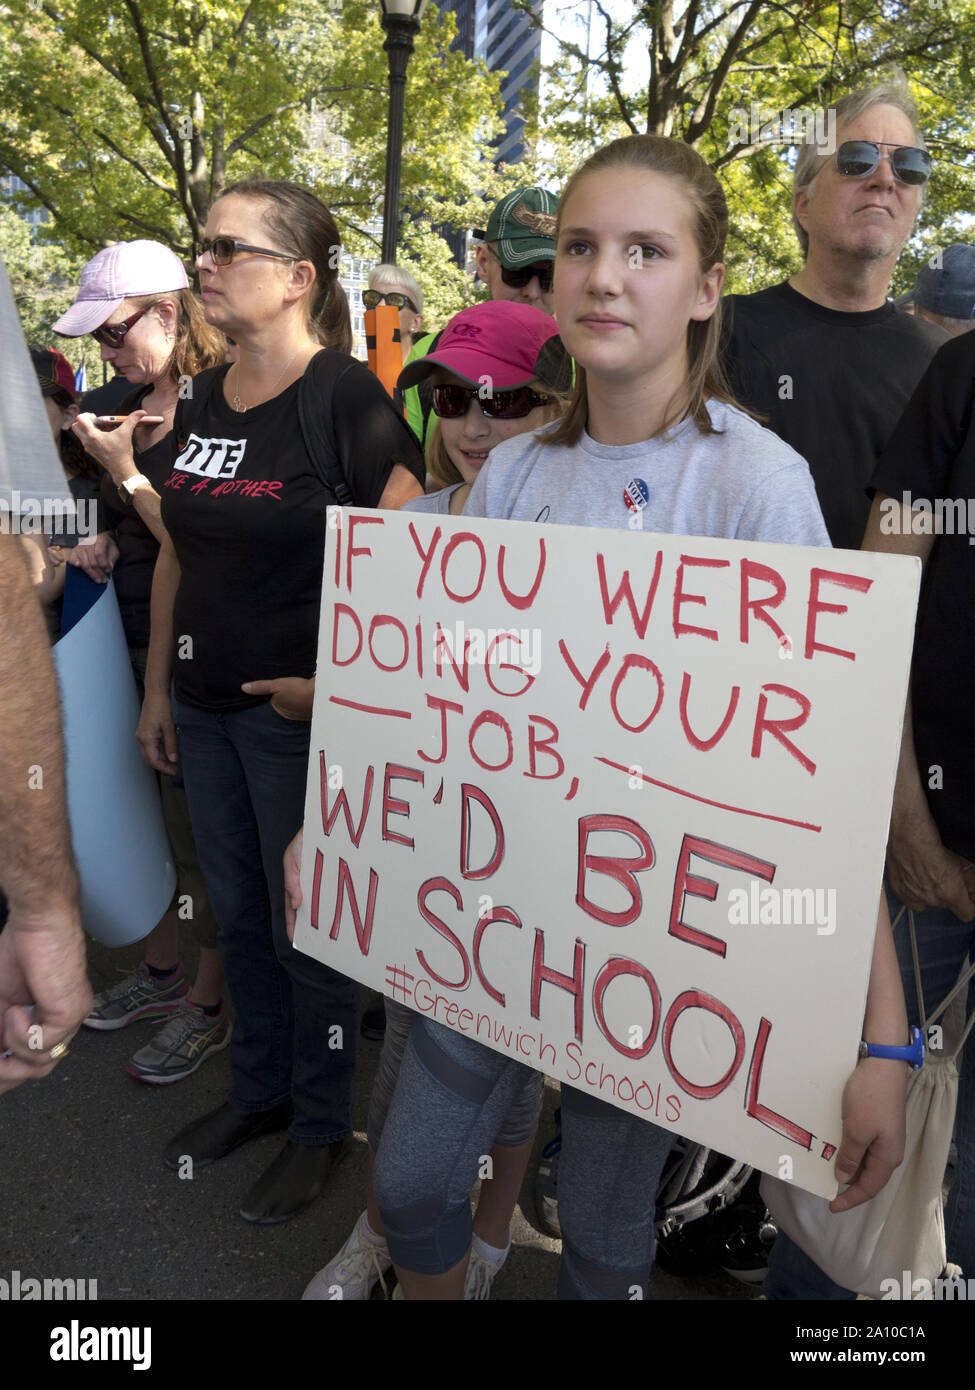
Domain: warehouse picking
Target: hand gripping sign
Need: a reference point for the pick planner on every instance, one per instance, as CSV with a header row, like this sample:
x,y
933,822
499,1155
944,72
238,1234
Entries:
x,y
614,804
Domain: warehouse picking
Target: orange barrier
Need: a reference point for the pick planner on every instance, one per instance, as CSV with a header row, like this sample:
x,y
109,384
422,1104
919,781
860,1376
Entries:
x,y
383,344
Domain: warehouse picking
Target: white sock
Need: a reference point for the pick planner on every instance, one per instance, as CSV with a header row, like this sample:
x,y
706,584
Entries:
x,y
491,1252
368,1232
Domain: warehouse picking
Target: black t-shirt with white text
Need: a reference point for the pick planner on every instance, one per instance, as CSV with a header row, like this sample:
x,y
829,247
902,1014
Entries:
x,y
931,455
831,384
245,508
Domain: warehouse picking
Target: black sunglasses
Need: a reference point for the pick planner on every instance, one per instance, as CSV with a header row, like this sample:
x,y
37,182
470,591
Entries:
x,y
450,402
856,158
373,298
112,335
518,279
223,249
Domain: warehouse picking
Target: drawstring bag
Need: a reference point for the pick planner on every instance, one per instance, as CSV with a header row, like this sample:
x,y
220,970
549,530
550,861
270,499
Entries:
x,y
901,1229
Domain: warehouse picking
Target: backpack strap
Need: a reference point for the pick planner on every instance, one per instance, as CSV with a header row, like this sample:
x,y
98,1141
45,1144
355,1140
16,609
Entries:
x,y
315,396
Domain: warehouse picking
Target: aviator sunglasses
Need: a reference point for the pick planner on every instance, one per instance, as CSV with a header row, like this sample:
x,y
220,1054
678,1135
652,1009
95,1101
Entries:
x,y
518,279
856,158
450,402
373,298
223,249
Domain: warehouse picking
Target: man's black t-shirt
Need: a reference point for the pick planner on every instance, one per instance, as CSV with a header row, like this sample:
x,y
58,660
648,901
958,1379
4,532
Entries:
x,y
931,455
245,508
831,384
137,545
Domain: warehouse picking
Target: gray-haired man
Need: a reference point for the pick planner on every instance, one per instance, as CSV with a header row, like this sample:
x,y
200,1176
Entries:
x,y
825,358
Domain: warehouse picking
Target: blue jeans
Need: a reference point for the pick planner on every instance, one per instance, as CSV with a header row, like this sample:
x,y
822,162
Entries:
x,y
245,781
943,944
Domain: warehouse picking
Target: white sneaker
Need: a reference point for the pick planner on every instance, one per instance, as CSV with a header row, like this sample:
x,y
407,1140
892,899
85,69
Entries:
x,y
354,1272
480,1277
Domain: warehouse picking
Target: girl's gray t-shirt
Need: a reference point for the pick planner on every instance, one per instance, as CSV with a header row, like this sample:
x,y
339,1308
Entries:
x,y
743,483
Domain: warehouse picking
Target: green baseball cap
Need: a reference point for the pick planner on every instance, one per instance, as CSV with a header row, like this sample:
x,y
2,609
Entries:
x,y
523,225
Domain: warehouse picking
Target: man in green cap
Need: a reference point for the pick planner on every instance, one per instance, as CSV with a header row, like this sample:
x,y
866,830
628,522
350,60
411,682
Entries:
x,y
515,261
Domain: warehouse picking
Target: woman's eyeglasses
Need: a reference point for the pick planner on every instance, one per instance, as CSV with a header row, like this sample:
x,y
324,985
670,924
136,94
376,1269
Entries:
x,y
112,335
857,158
223,249
373,298
518,279
450,402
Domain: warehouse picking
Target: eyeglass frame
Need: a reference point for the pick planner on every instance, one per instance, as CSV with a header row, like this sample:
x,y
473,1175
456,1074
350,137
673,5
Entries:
x,y
205,248
474,393
118,330
530,273
879,145
384,298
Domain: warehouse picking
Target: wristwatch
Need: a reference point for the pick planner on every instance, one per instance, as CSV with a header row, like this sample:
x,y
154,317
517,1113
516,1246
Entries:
x,y
913,1053
128,485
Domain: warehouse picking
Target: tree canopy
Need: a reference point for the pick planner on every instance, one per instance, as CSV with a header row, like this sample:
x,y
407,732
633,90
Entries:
x,y
127,118
709,64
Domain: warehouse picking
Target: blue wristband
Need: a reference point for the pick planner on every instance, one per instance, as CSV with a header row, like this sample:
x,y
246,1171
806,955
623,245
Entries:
x,y
912,1054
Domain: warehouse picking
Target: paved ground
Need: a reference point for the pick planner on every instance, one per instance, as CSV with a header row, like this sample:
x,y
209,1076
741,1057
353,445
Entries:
x,y
85,1194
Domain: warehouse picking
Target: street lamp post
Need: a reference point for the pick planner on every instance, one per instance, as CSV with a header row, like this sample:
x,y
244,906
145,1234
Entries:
x,y
401,20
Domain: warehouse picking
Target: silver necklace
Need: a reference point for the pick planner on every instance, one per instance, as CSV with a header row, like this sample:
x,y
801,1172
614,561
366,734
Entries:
x,y
239,405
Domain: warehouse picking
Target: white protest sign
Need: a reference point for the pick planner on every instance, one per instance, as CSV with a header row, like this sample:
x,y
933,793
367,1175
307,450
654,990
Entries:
x,y
614,804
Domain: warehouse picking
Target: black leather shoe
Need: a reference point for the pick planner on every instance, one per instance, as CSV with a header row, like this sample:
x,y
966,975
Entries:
x,y
215,1135
296,1177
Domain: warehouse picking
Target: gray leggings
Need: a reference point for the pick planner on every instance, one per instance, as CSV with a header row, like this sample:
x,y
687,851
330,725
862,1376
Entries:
x,y
452,1096
518,1124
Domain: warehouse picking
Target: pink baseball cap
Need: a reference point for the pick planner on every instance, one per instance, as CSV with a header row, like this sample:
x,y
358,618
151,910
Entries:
x,y
123,271
499,339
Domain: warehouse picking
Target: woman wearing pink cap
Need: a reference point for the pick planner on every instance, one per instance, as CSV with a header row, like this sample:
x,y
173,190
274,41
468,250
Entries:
x,y
496,372
134,300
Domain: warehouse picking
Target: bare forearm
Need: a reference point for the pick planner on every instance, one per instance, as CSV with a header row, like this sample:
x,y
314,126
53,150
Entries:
x,y
148,504
36,864
885,1017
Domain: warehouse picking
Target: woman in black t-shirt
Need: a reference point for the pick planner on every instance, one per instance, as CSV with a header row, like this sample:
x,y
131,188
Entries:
x,y
235,610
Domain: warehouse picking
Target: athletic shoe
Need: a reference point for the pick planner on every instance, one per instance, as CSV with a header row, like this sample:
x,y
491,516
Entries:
x,y
180,1046
480,1276
354,1272
547,1184
481,1273
139,995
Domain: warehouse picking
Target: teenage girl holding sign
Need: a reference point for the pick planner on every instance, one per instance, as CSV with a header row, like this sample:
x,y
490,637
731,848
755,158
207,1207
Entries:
x,y
638,278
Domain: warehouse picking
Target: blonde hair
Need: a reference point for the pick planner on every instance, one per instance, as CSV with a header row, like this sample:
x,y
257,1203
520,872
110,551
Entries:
x,y
705,378
198,344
